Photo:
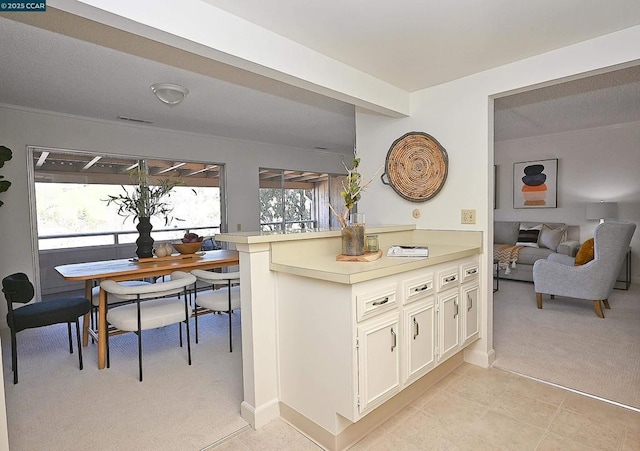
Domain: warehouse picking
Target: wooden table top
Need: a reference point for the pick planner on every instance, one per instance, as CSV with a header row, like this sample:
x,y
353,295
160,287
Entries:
x,y
127,268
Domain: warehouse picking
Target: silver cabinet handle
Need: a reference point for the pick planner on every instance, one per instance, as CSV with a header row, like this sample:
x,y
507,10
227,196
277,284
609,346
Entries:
x,y
382,301
417,326
456,313
422,288
469,302
393,339
450,279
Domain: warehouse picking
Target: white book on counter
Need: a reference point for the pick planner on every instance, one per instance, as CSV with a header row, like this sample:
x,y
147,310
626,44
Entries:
x,y
398,250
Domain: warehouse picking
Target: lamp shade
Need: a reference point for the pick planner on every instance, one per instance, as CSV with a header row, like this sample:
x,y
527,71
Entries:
x,y
602,210
169,93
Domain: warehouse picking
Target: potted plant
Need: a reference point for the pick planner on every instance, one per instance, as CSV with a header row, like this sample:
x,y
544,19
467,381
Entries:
x,y
352,223
144,202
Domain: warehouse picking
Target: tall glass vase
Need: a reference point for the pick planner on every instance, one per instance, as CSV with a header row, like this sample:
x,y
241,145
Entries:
x,y
144,241
353,236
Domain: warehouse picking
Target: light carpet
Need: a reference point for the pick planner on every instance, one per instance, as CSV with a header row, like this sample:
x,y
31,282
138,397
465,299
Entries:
x,y
567,344
55,406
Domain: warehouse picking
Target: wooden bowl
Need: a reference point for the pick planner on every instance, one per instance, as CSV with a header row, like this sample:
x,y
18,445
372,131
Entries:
x,y
188,248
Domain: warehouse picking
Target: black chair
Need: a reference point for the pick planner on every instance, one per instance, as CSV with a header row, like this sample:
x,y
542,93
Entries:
x,y
17,288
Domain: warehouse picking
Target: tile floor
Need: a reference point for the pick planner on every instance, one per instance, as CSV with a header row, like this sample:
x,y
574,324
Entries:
x,y
480,409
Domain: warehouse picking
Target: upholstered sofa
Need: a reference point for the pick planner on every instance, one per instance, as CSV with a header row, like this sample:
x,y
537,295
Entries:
x,y
552,238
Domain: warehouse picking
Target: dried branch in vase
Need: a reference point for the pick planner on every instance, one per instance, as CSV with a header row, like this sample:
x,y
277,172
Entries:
x,y
352,187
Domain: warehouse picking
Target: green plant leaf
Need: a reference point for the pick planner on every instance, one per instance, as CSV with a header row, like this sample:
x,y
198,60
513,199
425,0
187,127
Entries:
x,y
145,201
5,155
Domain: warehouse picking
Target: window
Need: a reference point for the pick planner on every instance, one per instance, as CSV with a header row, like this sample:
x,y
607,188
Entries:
x,y
294,200
70,188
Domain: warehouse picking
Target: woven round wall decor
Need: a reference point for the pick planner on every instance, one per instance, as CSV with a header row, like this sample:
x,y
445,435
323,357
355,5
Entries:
x,y
416,166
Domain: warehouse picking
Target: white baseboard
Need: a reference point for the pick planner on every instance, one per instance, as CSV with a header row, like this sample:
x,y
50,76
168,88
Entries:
x,y
262,415
480,358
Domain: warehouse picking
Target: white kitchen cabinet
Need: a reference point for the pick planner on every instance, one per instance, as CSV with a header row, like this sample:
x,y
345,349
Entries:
x,y
448,323
470,312
419,331
346,349
378,344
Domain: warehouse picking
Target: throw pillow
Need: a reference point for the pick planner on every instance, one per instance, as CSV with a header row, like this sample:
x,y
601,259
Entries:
x,y
550,238
529,237
585,253
505,232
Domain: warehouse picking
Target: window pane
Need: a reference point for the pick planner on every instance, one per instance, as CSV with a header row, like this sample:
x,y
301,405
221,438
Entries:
x,y
76,215
271,209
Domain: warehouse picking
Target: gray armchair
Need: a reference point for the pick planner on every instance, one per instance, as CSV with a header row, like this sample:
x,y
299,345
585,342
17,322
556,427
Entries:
x,y
594,280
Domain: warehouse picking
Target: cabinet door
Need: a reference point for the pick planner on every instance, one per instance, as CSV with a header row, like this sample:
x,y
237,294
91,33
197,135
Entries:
x,y
448,323
419,339
470,313
378,360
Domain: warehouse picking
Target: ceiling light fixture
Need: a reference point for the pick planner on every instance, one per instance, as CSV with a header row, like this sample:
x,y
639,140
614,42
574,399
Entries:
x,y
169,93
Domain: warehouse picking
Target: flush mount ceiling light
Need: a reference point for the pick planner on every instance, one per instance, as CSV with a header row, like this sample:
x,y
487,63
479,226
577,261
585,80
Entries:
x,y
169,93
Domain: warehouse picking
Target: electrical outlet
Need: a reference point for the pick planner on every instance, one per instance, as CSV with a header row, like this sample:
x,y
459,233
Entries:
x,y
468,217
238,227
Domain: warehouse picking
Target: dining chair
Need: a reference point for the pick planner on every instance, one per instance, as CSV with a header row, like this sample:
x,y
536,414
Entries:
x,y
112,301
18,289
222,300
153,305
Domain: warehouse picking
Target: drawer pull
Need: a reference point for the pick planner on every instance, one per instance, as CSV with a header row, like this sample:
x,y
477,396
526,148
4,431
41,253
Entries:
x,y
456,312
469,302
393,339
472,271
381,301
451,279
417,326
422,288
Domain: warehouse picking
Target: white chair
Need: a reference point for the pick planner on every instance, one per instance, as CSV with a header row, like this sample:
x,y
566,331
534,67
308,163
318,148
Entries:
x,y
225,300
151,308
95,299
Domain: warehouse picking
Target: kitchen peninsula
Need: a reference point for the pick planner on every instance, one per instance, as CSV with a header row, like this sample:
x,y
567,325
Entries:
x,y
335,348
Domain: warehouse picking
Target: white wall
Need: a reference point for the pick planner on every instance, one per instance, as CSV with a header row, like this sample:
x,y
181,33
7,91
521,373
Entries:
x,y
459,115
594,164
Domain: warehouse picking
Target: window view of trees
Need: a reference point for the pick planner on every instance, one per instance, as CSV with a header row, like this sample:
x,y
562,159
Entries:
x,y
72,209
71,189
297,200
286,209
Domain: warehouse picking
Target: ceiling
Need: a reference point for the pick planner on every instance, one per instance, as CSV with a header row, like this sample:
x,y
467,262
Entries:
x,y
410,44
56,166
414,44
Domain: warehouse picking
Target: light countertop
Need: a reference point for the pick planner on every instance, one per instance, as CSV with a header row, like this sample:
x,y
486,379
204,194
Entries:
x,y
312,253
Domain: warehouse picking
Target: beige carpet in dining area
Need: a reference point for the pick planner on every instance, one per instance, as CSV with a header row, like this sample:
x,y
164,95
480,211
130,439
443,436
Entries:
x,y
55,406
567,344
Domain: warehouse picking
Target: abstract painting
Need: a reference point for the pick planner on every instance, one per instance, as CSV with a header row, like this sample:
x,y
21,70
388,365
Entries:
x,y
535,184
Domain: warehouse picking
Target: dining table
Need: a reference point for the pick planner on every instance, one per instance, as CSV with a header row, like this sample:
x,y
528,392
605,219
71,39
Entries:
x,y
135,269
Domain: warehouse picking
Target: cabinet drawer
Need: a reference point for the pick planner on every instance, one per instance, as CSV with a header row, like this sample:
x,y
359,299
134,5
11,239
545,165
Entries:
x,y
448,278
417,288
470,271
374,302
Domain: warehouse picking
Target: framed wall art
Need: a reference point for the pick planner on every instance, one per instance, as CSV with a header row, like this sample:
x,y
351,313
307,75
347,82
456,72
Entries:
x,y
535,184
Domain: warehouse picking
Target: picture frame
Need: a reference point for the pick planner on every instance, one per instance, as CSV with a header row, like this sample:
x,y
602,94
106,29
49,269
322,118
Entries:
x,y
535,184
